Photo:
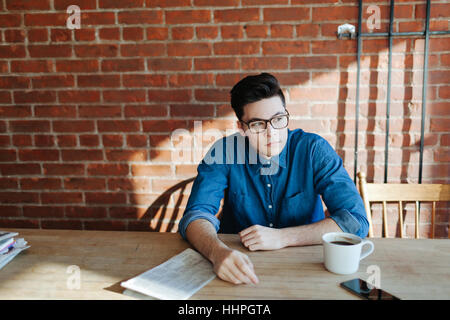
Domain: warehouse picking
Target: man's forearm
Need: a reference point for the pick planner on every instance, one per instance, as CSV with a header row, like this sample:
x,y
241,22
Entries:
x,y
308,234
203,237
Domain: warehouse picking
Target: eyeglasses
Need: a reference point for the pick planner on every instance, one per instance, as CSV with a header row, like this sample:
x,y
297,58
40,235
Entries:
x,y
279,121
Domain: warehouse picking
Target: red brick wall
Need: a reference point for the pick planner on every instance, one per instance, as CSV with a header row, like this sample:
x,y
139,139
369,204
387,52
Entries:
x,y
86,115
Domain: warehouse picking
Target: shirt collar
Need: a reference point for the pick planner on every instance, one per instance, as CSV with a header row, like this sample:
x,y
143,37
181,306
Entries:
x,y
279,160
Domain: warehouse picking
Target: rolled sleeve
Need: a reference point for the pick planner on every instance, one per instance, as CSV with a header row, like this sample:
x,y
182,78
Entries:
x,y
346,221
190,216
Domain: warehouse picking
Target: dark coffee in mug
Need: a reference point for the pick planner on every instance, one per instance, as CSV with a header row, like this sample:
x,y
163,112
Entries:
x,y
342,243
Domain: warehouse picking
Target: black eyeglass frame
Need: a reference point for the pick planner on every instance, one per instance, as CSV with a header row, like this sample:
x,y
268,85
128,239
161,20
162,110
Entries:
x,y
266,121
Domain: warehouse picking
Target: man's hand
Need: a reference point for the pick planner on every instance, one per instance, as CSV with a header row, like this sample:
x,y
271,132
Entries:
x,y
233,266
229,265
262,238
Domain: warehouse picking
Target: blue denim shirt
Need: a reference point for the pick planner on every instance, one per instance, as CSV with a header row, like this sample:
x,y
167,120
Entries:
x,y
281,192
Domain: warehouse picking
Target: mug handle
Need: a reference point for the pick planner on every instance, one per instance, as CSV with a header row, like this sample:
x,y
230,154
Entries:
x,y
365,254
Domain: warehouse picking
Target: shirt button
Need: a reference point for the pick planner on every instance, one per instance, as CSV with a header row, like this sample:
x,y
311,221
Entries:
x,y
271,225
269,185
270,206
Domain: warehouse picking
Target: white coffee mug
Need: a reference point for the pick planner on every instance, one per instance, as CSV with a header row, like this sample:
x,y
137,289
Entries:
x,y
342,252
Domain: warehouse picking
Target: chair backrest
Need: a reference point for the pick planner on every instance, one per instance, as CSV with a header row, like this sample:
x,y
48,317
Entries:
x,y
163,216
400,193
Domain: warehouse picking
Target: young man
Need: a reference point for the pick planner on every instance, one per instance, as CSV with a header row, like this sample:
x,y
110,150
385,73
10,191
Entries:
x,y
271,185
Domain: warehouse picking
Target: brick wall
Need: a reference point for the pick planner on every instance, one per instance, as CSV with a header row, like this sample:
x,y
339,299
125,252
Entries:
x,y
87,115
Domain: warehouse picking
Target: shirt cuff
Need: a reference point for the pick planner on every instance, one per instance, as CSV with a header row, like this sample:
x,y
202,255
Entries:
x,y
190,216
346,221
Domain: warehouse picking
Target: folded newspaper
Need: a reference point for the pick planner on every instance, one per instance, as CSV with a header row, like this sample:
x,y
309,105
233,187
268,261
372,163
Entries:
x,y
176,279
10,247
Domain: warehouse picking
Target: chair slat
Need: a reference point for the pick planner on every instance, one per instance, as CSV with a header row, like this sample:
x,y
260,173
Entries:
x,y
407,192
433,216
400,218
417,219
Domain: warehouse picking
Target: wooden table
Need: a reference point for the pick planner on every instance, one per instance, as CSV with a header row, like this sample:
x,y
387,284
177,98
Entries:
x,y
409,268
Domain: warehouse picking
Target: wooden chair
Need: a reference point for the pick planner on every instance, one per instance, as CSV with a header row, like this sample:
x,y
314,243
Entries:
x,y
401,192
163,218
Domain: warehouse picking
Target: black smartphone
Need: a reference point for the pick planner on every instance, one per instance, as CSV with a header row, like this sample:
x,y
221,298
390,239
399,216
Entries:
x,y
366,291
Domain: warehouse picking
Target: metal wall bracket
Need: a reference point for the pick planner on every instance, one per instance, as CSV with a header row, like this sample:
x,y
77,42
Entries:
x,y
346,31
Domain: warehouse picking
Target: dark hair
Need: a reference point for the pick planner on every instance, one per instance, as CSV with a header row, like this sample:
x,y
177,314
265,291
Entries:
x,y
252,89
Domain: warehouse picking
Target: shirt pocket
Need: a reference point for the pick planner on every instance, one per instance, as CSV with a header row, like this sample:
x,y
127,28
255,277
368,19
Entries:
x,y
296,210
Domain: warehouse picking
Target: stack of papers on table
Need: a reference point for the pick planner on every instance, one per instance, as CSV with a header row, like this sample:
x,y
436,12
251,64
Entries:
x,y
176,279
10,246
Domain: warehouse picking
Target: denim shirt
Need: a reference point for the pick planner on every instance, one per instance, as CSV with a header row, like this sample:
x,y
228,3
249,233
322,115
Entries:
x,y
283,191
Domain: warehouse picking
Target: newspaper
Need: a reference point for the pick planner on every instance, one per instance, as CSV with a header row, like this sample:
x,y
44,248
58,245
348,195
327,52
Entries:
x,y
6,235
19,246
176,279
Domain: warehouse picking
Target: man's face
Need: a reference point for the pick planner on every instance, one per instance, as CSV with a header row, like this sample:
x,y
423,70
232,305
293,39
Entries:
x,y
270,142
